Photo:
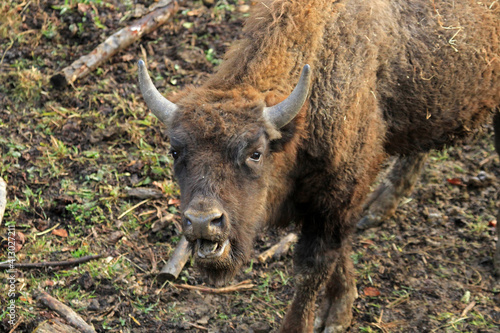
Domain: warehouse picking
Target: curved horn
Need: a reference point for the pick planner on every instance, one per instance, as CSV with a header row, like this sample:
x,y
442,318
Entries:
x,y
281,114
162,108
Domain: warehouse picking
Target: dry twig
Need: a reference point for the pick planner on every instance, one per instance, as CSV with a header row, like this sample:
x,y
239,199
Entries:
x,y
3,198
63,310
54,326
144,193
203,328
113,44
277,250
240,286
132,208
468,308
51,263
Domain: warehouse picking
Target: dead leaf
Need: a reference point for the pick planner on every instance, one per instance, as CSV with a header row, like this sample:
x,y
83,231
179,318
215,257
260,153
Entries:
x,y
26,299
115,237
83,8
367,242
174,202
455,181
60,232
19,240
128,57
20,237
195,12
371,291
49,283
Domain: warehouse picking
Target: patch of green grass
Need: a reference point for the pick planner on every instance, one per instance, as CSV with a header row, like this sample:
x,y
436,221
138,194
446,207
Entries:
x,y
81,252
222,9
478,320
479,225
212,57
440,155
28,84
174,314
366,270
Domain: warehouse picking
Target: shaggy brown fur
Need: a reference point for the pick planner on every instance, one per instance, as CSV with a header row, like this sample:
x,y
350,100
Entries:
x,y
389,77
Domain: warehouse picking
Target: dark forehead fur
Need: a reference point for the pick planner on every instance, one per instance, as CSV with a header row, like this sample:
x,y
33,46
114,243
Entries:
x,y
211,114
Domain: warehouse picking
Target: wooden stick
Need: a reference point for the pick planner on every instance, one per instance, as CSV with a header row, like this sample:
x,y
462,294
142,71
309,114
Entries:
x,y
277,250
113,44
145,193
176,262
3,198
240,286
63,310
54,326
198,326
51,263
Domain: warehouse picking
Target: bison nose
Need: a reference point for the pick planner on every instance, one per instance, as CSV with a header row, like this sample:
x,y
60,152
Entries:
x,y
206,224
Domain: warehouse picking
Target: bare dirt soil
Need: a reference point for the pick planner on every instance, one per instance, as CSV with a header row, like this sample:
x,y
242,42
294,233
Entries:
x,y
70,155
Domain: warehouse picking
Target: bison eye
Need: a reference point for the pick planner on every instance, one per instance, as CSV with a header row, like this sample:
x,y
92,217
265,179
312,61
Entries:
x,y
255,156
174,153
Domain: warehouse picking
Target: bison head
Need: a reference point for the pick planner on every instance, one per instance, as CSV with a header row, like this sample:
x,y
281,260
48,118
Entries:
x,y
224,148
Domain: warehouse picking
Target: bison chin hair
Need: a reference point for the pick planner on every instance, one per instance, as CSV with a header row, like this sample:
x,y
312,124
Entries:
x,y
222,271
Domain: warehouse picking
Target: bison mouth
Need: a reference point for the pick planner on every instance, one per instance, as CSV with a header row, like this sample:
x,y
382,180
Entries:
x,y
206,249
219,260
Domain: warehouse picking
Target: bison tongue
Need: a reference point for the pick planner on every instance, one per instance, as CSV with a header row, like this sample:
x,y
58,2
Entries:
x,y
206,247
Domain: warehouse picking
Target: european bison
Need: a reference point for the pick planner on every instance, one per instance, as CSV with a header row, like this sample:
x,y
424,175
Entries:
x,y
386,77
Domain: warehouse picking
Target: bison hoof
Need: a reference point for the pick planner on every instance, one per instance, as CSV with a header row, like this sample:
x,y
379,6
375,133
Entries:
x,y
369,221
334,328
380,206
335,316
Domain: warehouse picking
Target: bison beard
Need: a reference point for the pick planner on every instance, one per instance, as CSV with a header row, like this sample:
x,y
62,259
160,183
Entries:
x,y
269,140
221,271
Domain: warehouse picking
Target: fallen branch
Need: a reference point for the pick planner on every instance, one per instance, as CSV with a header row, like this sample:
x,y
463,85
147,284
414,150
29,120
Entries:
x,y
203,328
176,262
240,286
145,193
54,326
51,263
63,310
277,250
3,198
113,44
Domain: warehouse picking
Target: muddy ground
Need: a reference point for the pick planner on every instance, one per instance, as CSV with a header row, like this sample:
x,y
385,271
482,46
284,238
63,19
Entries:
x,y
70,155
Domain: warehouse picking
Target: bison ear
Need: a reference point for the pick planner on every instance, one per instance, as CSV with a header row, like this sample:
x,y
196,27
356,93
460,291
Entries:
x,y
281,114
162,108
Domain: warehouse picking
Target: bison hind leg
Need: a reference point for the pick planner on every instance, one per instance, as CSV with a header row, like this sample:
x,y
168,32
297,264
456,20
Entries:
x,y
496,126
382,203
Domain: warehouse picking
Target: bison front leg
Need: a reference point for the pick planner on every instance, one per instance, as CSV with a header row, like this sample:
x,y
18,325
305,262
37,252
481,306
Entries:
x,y
382,202
335,312
318,258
